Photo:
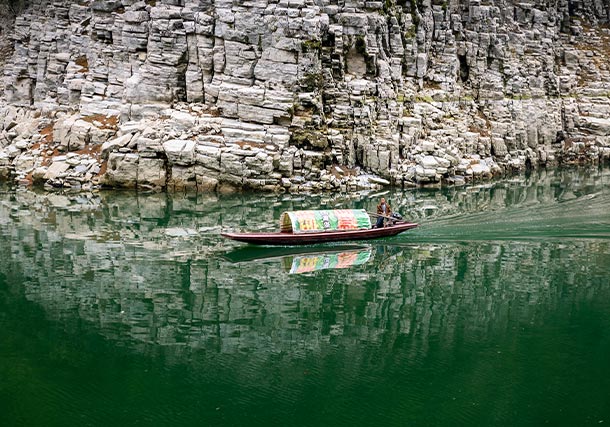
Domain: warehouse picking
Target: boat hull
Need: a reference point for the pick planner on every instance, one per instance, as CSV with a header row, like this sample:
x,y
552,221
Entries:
x,y
280,238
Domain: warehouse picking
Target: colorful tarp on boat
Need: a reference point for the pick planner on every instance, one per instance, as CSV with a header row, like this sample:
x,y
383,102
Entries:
x,y
315,262
324,220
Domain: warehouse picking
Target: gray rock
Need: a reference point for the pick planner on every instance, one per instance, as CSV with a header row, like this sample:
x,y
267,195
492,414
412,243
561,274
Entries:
x,y
292,87
122,170
56,169
151,173
115,144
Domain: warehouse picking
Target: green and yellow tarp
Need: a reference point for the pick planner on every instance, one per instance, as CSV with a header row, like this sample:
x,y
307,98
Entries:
x,y
315,221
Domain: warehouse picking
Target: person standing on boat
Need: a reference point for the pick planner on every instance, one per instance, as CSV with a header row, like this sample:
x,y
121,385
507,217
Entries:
x,y
383,208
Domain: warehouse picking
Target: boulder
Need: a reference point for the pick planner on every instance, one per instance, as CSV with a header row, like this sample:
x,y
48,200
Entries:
x,y
180,152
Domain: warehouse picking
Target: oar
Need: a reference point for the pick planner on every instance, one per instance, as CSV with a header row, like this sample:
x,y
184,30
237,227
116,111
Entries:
x,y
383,216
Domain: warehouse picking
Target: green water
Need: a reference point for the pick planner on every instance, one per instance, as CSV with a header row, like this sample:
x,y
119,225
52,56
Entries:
x,y
124,309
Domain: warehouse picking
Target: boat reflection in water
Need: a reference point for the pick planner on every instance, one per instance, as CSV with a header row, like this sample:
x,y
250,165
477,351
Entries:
x,y
305,260
321,261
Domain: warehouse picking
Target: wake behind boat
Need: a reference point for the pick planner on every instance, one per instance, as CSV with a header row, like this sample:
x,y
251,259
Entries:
x,y
322,226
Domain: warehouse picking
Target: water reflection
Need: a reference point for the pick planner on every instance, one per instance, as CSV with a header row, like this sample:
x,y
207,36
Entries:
x,y
152,269
298,260
326,260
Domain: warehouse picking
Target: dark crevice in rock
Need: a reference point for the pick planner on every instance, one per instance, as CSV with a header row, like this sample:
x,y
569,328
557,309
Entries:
x,y
464,68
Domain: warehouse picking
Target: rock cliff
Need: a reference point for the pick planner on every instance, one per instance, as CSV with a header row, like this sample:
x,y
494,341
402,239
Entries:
x,y
300,94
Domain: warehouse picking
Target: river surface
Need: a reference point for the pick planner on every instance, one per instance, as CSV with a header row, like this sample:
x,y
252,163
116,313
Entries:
x,y
130,309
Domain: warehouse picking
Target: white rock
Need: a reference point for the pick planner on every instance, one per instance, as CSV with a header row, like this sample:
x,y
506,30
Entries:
x,y
378,180
115,144
429,162
56,169
180,151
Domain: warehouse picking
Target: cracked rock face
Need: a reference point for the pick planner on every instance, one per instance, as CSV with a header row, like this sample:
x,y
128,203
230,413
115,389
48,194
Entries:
x,y
300,95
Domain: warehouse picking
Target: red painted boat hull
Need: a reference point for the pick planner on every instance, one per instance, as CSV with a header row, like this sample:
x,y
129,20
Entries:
x,y
323,237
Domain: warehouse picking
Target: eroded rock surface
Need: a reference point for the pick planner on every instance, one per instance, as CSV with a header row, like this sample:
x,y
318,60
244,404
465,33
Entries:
x,y
300,95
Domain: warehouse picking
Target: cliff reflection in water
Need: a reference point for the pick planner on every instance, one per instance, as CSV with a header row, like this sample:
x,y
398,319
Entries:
x,y
152,269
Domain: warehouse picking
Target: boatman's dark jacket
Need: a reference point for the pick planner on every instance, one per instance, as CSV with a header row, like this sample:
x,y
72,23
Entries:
x,y
388,210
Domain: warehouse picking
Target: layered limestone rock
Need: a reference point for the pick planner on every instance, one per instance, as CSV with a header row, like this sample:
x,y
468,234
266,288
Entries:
x,y
301,95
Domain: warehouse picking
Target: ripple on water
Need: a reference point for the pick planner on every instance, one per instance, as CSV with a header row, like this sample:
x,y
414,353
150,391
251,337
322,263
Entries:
x,y
494,311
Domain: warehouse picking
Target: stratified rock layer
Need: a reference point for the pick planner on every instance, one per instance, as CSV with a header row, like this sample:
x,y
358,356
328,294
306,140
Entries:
x,y
301,95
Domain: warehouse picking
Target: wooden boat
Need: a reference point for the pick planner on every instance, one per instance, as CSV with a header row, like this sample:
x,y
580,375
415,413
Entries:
x,y
322,226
